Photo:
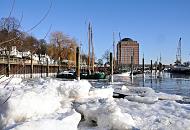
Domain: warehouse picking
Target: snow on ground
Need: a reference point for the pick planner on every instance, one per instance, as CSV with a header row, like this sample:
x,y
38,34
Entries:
x,y
58,121
163,115
52,104
105,114
123,74
11,80
32,104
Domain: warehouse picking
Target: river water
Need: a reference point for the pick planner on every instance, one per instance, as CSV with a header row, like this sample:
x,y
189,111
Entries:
x,y
167,83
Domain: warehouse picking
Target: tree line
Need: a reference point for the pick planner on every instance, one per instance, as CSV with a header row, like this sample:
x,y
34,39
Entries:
x,y
60,46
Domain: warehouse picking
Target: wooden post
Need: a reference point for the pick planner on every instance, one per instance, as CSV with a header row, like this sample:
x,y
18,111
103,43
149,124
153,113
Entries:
x,y
151,67
24,69
160,65
132,64
156,69
160,68
132,67
143,68
77,63
58,65
143,65
41,69
47,68
31,67
111,67
8,63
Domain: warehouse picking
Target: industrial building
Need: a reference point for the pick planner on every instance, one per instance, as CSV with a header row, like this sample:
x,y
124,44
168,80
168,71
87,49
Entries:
x,y
127,48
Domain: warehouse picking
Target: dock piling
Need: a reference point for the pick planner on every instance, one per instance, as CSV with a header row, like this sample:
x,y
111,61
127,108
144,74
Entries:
x,y
47,69
151,67
31,67
111,67
132,67
77,63
143,65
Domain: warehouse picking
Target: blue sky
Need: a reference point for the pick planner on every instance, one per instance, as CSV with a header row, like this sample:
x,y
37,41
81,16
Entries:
x,y
156,24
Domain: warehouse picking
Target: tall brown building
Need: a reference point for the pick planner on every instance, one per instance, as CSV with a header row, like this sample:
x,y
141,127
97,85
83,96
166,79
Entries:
x,y
125,49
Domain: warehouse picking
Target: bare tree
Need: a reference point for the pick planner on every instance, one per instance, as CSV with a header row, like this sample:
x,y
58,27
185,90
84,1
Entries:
x,y
42,47
100,62
8,30
106,55
57,40
31,44
63,45
9,24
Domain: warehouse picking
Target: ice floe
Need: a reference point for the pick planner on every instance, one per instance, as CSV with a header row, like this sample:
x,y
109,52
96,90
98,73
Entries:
x,y
46,104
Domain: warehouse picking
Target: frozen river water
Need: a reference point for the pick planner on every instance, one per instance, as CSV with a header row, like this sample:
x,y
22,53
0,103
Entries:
x,y
50,103
167,83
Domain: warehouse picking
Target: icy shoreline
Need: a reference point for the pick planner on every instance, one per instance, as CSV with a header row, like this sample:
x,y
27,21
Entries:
x,y
46,104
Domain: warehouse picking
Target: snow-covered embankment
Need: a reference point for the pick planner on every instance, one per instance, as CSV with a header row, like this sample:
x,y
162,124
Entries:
x,y
46,104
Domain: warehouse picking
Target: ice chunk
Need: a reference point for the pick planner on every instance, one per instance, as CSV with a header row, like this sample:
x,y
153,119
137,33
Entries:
x,y
74,89
103,93
30,105
106,115
164,96
35,99
124,74
162,114
9,81
61,122
146,100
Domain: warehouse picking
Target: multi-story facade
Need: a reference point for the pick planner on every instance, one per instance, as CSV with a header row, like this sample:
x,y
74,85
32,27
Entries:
x,y
125,49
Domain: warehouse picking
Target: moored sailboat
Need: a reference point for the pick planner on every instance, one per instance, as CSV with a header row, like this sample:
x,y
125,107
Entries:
x,y
178,67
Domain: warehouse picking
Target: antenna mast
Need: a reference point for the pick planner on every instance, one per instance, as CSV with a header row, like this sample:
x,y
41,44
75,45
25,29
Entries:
x,y
119,36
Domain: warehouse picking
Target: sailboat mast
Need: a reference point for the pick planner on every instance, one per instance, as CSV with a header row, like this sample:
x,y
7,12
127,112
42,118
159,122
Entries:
x,y
89,37
92,44
114,55
180,49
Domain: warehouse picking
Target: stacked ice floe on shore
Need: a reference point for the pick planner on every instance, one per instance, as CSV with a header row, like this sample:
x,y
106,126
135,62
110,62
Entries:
x,y
41,104
51,104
